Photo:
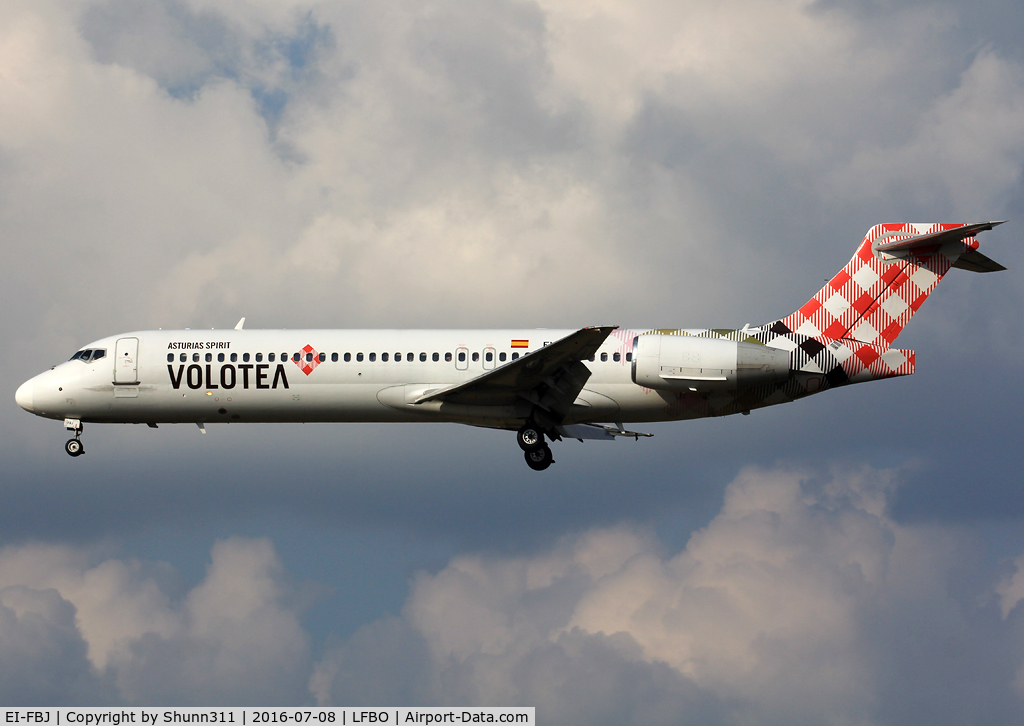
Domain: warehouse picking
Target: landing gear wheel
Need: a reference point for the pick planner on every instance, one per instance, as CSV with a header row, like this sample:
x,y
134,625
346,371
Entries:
x,y
539,459
74,447
530,438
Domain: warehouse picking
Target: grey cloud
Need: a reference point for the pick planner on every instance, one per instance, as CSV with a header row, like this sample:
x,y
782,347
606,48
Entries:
x,y
436,153
76,632
801,601
164,39
185,48
42,653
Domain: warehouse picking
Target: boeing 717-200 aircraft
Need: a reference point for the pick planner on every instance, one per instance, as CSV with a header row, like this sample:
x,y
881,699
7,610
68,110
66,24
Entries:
x,y
544,384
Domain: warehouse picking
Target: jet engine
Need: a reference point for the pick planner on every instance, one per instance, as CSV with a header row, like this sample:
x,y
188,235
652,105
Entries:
x,y
688,363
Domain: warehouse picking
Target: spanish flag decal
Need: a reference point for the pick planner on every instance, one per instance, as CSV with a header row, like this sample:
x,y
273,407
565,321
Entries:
x,y
520,344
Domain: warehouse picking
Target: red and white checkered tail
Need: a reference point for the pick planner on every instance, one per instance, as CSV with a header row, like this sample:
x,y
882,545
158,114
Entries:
x,y
893,271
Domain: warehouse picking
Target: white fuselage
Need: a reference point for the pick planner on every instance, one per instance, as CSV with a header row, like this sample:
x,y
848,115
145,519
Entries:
x,y
211,376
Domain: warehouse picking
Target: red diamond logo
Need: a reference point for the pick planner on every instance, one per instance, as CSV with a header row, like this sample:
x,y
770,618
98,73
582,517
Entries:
x,y
308,360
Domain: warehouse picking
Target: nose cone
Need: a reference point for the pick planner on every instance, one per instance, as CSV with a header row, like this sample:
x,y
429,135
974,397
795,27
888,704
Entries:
x,y
24,396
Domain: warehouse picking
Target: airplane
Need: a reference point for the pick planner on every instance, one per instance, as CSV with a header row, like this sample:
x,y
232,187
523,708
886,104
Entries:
x,y
546,385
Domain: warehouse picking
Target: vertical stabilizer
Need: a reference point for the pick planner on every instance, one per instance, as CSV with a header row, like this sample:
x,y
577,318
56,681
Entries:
x,y
894,270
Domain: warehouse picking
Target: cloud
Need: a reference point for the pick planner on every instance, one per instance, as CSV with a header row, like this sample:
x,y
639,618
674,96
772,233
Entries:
x,y
800,602
68,626
172,163
290,161
42,652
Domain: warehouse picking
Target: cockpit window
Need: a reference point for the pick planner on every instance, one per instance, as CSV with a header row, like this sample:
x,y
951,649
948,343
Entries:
x,y
89,354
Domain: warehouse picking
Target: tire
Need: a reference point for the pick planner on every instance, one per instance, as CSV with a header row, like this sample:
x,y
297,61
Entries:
x,y
530,438
74,447
540,458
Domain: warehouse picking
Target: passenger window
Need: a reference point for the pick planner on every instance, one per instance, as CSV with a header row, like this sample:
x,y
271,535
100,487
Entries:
x,y
245,357
592,359
184,357
629,357
296,357
604,357
476,357
502,356
462,357
348,357
515,356
259,357
234,357
270,357
170,357
97,354
309,357
616,357
383,357
373,357
488,356
323,357
220,357
334,357
359,357
409,357
435,357
447,357
195,357
423,357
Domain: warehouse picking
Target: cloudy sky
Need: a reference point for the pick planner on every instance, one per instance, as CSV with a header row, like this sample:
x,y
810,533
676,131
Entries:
x,y
856,558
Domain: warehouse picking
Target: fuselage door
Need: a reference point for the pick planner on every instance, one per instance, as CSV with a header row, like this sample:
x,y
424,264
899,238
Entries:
x,y
489,357
126,361
462,359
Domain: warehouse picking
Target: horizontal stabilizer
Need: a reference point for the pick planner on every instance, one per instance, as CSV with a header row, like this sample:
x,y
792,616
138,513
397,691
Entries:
x,y
958,234
974,261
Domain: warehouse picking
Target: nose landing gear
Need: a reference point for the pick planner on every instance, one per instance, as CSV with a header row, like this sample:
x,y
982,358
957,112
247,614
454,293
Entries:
x,y
74,446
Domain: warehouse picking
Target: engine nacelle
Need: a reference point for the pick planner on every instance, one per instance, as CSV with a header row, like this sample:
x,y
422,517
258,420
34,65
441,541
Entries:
x,y
687,363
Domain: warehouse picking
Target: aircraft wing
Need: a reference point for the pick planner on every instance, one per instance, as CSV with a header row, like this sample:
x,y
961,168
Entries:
x,y
550,377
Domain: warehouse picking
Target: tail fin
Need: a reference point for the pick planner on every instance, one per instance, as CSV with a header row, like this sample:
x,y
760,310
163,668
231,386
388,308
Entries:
x,y
894,270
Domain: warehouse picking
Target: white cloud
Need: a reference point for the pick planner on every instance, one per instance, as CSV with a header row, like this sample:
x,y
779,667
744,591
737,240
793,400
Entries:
x,y
235,637
617,160
800,602
43,654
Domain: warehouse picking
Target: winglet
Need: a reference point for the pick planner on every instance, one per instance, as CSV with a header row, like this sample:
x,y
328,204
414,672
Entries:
x,y
240,324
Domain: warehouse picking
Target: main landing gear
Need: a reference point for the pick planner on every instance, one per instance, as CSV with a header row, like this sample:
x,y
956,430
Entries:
x,y
74,446
539,459
536,452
